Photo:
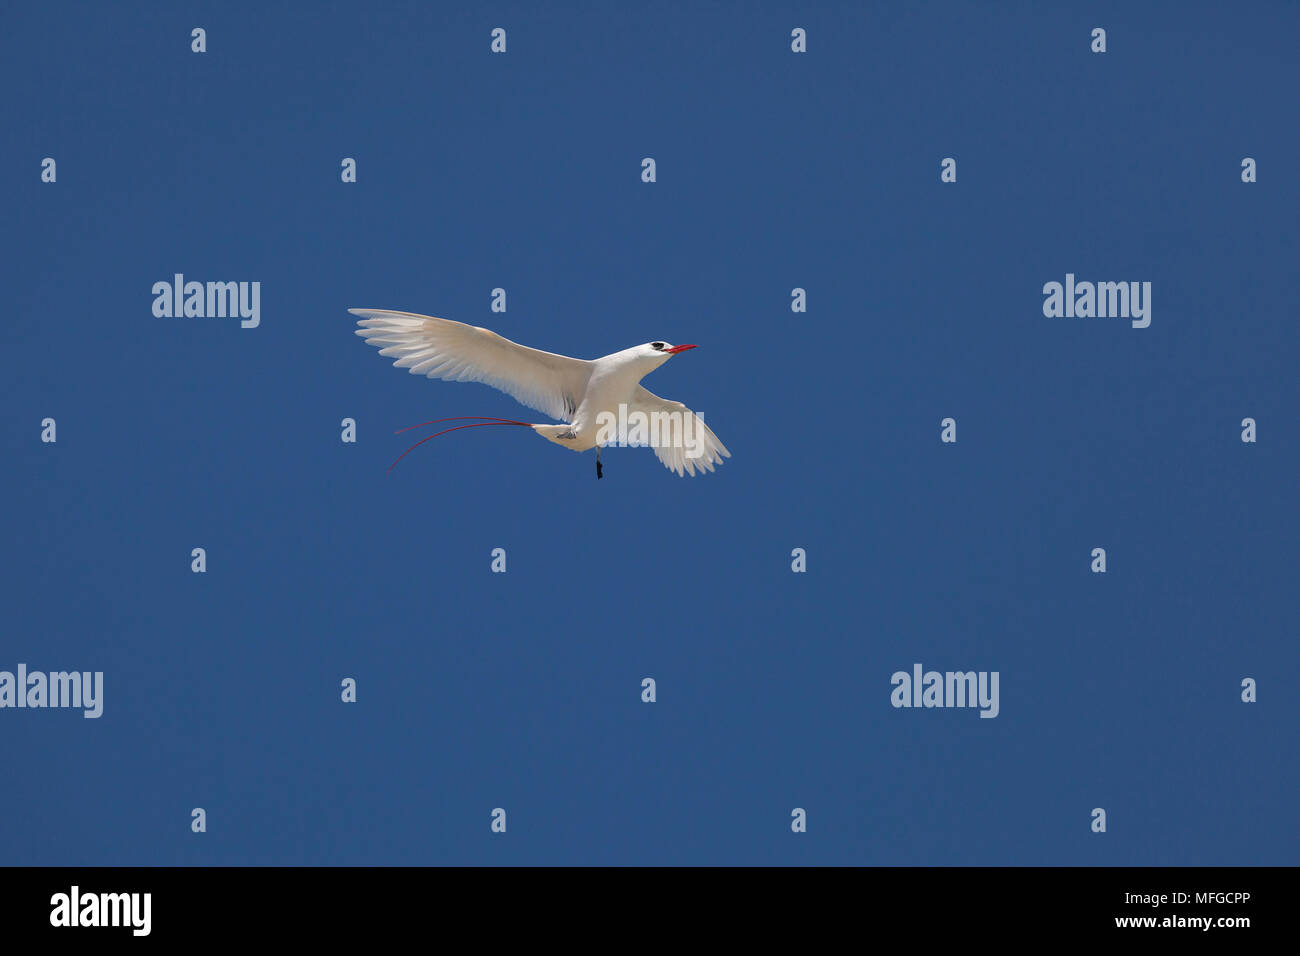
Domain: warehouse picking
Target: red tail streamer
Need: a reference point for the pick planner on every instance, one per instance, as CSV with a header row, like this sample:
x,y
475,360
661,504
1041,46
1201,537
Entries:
x,y
495,421
462,418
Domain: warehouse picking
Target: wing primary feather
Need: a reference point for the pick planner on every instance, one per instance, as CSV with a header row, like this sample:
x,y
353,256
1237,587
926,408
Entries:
x,y
454,351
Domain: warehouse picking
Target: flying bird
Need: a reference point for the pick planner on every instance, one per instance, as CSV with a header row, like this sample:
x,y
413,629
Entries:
x,y
600,401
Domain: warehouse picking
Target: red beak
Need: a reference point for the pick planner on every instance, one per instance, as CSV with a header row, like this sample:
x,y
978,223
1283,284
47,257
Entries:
x,y
678,348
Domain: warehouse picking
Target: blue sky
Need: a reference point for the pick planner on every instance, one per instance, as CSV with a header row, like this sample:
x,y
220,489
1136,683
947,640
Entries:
x,y
521,690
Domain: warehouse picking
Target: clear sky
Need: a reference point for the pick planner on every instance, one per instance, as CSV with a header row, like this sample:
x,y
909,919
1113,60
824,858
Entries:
x,y
775,171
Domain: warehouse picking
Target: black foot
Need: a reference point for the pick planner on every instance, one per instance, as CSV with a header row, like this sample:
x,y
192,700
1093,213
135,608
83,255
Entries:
x,y
599,472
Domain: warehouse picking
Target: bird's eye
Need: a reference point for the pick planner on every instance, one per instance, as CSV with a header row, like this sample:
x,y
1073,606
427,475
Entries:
x,y
656,345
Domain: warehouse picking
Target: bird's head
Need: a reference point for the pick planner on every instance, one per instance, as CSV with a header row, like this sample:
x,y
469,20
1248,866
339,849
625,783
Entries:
x,y
661,352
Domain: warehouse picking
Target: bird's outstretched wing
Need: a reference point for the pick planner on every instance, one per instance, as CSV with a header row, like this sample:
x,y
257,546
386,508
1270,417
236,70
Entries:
x,y
456,352
682,441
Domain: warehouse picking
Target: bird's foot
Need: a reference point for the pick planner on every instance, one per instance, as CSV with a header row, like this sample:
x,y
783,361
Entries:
x,y
599,471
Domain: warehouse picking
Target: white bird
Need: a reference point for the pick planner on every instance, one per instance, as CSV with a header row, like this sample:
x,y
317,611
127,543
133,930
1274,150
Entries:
x,y
600,401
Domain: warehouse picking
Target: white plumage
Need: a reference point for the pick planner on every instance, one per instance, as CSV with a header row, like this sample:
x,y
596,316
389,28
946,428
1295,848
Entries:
x,y
586,395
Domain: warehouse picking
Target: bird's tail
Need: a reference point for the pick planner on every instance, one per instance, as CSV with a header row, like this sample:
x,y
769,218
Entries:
x,y
478,420
560,434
